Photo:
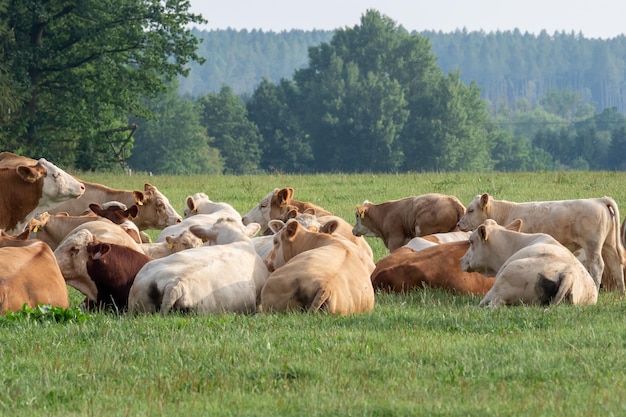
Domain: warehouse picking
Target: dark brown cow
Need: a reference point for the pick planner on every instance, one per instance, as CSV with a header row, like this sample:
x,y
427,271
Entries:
x,y
434,267
29,275
396,222
26,190
113,268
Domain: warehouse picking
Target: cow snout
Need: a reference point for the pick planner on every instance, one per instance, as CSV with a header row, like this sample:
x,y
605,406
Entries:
x,y
269,266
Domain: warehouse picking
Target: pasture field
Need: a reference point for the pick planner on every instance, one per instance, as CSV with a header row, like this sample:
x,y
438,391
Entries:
x,y
424,353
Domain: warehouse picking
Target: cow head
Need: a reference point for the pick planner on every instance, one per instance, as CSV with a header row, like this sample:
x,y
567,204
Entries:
x,y
480,255
359,228
58,185
155,210
224,231
476,213
272,206
72,255
185,240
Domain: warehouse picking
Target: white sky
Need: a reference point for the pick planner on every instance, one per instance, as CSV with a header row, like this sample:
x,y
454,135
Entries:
x,y
595,19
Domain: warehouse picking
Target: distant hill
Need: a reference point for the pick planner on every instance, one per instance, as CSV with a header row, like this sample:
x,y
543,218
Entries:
x,y
506,65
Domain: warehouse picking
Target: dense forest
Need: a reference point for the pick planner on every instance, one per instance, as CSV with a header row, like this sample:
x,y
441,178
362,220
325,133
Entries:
x,y
368,98
507,66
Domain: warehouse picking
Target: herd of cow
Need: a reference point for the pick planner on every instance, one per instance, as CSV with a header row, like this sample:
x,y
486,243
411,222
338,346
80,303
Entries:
x,y
286,254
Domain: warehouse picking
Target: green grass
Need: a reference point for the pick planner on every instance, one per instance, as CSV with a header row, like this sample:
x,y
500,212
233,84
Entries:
x,y
424,353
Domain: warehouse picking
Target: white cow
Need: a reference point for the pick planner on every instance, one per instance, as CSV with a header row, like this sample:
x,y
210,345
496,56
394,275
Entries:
x,y
418,243
226,276
199,203
196,220
531,268
591,224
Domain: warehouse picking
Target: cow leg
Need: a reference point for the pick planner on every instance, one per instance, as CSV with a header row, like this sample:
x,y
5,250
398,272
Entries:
x,y
613,264
595,266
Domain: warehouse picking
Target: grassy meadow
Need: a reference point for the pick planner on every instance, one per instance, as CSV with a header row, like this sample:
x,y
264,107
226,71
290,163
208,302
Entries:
x,y
424,353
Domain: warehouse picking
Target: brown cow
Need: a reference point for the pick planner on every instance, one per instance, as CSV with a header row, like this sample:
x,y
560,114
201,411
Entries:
x,y
396,222
155,210
112,268
29,275
438,266
275,204
314,271
27,190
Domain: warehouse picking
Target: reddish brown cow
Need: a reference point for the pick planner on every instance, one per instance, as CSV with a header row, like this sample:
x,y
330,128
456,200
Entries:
x,y
113,268
435,267
396,222
26,190
29,275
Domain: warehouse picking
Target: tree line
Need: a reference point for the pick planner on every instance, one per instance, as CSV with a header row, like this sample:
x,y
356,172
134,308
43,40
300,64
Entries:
x,y
372,98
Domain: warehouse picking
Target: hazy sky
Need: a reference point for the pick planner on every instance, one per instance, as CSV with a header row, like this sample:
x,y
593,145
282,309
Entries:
x,y
595,19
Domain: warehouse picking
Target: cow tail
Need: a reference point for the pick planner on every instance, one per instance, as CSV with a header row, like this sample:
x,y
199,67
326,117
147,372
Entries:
x,y
564,282
614,211
171,294
321,299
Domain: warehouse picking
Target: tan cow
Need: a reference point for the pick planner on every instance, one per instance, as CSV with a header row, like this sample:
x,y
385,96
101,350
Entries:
x,y
155,210
591,224
29,275
532,268
396,222
314,271
434,267
27,190
275,204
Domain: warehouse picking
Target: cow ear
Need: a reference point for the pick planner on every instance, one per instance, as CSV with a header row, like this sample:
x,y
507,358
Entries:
x,y
24,235
291,229
484,200
191,203
203,232
284,195
482,232
515,225
139,197
96,208
330,227
360,211
309,210
133,211
98,250
252,229
275,225
30,174
291,213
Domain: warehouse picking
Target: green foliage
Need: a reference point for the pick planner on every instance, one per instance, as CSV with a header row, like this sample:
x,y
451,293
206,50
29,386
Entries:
x,y
173,141
285,147
85,67
225,118
45,313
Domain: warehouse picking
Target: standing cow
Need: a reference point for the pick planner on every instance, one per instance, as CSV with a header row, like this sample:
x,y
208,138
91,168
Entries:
x,y
396,222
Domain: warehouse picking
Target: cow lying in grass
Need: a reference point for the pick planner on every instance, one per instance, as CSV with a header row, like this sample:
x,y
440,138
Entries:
x,y
531,268
314,271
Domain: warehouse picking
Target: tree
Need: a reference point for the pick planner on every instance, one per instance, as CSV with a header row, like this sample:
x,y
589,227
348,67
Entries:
x,y
173,141
225,118
285,146
85,66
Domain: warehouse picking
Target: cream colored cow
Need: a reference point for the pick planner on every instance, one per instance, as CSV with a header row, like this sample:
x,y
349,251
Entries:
x,y
591,224
532,268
